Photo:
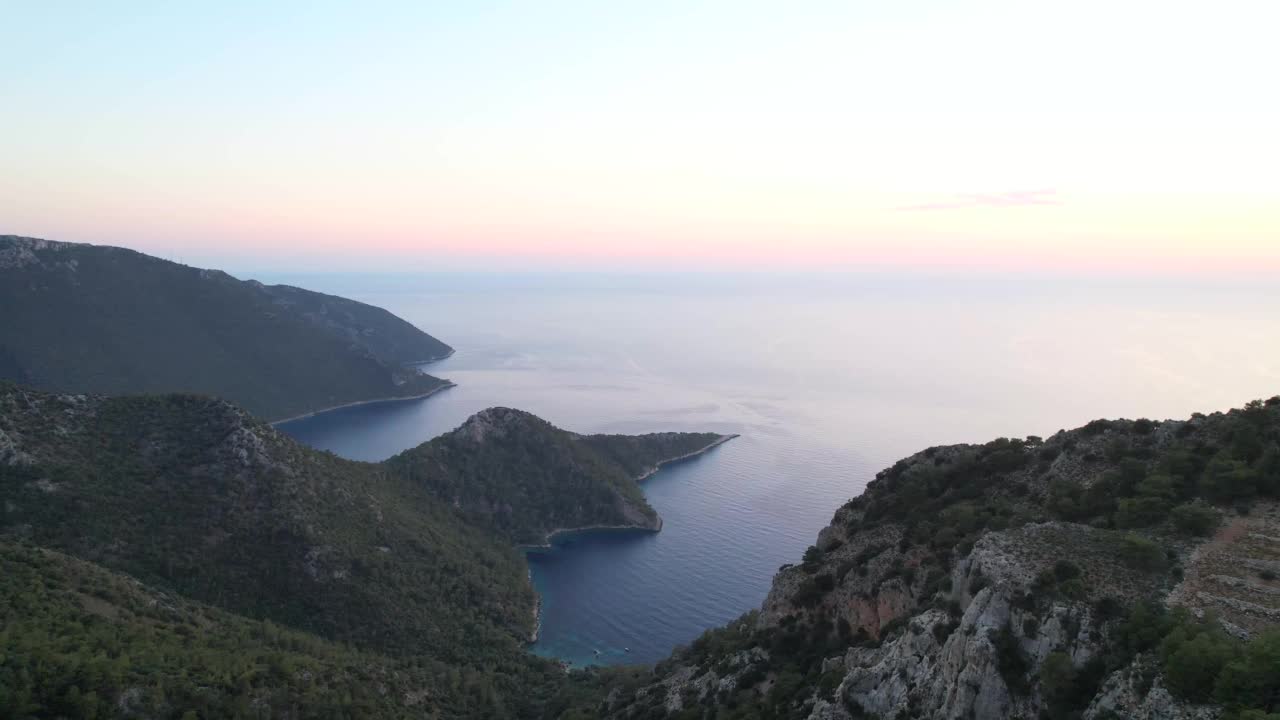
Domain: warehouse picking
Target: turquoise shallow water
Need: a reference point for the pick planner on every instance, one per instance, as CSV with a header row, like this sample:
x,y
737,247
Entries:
x,y
826,380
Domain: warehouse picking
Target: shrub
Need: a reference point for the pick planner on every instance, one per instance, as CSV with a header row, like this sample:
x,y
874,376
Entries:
x,y
942,631
1143,426
1141,553
1141,512
1096,427
1010,660
1073,589
1252,680
1193,657
809,593
978,582
1108,608
812,558
1228,480
1195,519
1057,677
1066,570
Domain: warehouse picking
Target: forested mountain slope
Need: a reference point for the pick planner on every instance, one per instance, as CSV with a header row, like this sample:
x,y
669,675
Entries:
x,y
192,498
82,641
92,319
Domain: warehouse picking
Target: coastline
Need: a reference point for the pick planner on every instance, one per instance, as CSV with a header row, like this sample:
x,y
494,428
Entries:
x,y
537,609
428,361
444,386
549,539
715,444
546,543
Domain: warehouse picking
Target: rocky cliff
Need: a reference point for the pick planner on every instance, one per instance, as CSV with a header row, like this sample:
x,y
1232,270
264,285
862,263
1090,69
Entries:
x,y
1032,578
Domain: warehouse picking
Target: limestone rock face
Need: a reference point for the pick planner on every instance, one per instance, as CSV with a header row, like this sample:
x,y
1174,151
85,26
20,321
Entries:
x,y
690,684
992,581
1122,695
944,670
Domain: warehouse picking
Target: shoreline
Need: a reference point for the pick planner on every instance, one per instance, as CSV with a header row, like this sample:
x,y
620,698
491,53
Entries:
x,y
428,361
445,386
547,546
551,535
549,539
663,463
537,607
548,542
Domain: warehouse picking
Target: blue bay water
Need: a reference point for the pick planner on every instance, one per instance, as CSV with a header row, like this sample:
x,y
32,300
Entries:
x,y
826,378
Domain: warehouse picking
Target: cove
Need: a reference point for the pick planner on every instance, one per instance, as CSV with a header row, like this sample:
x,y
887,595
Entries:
x,y
826,381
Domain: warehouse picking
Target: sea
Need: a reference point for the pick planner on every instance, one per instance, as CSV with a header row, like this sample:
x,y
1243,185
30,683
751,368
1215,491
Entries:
x,y
827,378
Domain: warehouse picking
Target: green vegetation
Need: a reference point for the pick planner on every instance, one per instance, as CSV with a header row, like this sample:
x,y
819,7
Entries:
x,y
170,555
218,563
83,642
191,494
89,319
1235,460
1200,662
532,478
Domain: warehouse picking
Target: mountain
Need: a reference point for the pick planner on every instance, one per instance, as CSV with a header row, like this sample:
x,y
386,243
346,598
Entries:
x,y
92,319
186,519
1126,569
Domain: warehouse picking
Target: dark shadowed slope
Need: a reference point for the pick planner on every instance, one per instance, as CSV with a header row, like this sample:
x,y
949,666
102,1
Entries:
x,y
86,318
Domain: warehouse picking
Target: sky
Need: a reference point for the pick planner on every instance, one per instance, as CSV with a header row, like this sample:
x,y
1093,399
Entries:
x,y
1090,136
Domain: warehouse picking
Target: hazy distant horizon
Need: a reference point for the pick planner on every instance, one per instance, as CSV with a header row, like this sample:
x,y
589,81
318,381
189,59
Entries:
x,y
1092,136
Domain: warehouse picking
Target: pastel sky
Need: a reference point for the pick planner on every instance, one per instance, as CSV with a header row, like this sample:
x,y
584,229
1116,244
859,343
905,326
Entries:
x,y
1090,135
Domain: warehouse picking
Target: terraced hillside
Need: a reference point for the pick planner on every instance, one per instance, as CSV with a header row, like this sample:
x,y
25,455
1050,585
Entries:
x,y
1237,575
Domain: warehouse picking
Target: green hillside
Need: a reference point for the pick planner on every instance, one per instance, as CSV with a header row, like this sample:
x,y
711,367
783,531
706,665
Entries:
x,y
81,641
276,559
91,319
565,480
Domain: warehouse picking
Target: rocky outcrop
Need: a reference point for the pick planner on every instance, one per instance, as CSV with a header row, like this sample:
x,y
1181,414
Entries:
x,y
19,252
974,582
1133,693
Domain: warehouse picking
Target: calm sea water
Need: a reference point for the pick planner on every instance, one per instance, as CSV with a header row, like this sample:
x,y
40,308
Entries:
x,y
826,378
